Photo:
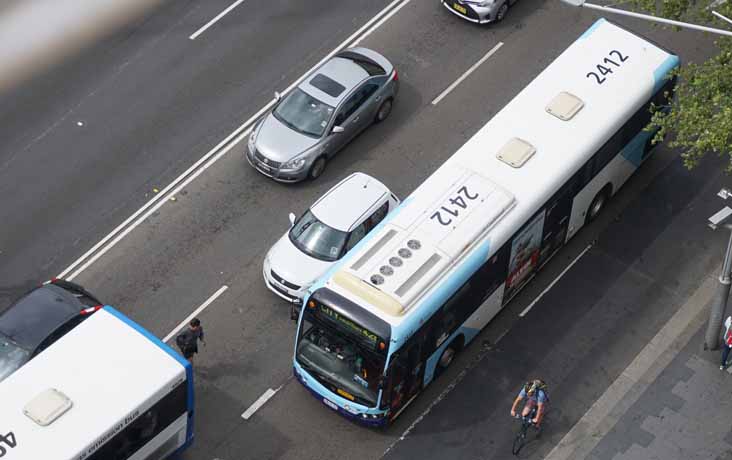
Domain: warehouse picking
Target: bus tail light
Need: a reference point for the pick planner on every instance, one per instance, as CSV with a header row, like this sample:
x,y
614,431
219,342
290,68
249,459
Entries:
x,y
90,310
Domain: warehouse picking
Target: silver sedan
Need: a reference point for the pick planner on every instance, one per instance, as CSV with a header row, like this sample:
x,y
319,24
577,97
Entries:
x,y
479,11
335,103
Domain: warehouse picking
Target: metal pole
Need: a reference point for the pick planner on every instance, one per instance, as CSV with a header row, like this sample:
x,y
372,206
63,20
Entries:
x,y
724,18
716,316
656,19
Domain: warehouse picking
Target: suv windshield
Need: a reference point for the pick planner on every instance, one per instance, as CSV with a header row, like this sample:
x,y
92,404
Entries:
x,y
303,113
340,363
316,239
12,356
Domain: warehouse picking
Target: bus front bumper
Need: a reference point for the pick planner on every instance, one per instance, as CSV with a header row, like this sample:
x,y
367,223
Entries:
x,y
362,418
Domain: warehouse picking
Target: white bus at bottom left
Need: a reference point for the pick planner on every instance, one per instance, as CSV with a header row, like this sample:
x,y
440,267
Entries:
x,y
108,390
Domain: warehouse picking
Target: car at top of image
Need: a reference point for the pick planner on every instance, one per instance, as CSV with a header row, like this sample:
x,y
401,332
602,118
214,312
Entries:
x,y
479,11
344,96
325,233
39,318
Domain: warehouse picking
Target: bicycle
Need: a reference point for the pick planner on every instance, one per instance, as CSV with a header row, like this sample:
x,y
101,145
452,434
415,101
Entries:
x,y
520,440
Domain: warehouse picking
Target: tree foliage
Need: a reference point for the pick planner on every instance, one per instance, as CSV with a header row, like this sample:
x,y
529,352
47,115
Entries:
x,y
699,120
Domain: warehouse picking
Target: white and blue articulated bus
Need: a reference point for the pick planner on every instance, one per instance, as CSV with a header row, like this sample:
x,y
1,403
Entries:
x,y
107,390
384,321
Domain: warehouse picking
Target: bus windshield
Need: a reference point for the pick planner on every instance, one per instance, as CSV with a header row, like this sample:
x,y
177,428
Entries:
x,y
338,360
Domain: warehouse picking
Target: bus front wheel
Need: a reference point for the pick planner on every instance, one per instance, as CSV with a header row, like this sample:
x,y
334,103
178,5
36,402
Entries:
x,y
448,355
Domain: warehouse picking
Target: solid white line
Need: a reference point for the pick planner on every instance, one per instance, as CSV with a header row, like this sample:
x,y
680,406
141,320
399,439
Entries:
x,y
213,21
153,209
196,312
259,402
632,383
526,310
378,24
166,193
466,74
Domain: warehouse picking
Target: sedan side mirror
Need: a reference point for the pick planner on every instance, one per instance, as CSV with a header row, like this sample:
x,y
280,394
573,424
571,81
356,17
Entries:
x,y
277,96
292,219
338,129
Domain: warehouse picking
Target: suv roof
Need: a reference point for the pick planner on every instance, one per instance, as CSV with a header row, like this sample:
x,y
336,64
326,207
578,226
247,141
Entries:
x,y
343,205
33,317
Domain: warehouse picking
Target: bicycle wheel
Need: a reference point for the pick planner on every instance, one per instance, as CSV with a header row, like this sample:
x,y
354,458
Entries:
x,y
519,440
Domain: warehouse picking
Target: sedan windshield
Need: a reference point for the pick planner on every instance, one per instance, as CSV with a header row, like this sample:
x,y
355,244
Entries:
x,y
12,356
316,239
303,113
339,363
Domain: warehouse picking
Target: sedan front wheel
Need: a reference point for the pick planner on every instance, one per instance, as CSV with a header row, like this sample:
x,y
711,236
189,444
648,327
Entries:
x,y
317,168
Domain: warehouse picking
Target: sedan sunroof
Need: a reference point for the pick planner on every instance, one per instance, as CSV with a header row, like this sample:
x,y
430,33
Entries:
x,y
327,85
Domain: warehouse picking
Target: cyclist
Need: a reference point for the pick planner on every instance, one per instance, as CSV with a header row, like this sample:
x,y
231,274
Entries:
x,y
535,393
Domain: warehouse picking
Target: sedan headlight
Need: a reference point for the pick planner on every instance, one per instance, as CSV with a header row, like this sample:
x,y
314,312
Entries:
x,y
295,163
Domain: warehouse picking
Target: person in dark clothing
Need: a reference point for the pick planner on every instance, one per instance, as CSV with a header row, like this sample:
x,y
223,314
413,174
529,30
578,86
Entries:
x,y
188,339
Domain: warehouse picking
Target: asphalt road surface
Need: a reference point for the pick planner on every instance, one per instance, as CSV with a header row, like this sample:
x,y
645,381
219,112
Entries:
x,y
141,130
84,145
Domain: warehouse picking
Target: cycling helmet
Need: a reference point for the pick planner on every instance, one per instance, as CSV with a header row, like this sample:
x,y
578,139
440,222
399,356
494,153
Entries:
x,y
532,386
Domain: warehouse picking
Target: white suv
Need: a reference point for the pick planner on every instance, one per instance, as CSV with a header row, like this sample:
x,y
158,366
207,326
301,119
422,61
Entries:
x,y
325,233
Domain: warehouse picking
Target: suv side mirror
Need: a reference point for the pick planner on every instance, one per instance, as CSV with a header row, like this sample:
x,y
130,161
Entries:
x,y
338,129
277,96
292,219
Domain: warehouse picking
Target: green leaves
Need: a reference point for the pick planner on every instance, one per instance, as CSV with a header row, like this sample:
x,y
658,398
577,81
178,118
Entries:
x,y
700,118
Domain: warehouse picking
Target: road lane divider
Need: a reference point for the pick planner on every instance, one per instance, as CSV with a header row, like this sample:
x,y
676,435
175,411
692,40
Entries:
x,y
215,20
467,73
213,155
196,312
391,13
260,402
551,285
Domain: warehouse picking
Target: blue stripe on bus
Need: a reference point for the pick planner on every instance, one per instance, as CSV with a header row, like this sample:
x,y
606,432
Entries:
x,y
163,346
592,28
660,74
444,291
633,151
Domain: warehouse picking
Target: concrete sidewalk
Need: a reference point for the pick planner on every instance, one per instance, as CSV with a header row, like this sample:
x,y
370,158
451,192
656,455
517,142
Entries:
x,y
672,402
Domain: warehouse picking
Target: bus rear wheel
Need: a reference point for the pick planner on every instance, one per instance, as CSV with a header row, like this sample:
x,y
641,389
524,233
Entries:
x,y
598,203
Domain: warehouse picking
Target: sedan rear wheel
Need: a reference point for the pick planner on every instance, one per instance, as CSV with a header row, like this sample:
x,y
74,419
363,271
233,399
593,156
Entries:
x,y
384,110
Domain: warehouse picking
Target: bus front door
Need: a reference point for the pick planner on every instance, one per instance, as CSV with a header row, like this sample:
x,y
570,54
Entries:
x,y
405,379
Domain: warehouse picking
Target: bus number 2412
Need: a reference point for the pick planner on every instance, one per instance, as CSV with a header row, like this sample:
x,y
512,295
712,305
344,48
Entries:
x,y
457,203
617,60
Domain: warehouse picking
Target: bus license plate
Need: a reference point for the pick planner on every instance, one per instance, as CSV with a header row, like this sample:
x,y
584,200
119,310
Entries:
x,y
460,8
330,404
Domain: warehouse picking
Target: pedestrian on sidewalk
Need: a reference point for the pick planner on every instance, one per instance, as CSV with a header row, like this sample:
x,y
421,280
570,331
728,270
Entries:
x,y
727,345
188,339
